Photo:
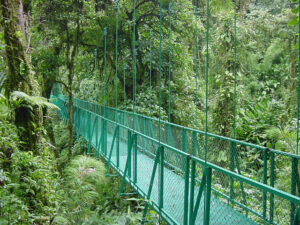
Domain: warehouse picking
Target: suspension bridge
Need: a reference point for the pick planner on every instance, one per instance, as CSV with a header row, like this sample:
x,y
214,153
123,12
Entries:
x,y
175,168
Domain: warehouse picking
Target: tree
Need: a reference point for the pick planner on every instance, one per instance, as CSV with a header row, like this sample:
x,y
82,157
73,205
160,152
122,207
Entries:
x,y
20,75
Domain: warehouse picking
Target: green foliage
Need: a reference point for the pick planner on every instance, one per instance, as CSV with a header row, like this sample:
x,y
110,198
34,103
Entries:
x,y
89,197
258,119
80,196
28,192
27,101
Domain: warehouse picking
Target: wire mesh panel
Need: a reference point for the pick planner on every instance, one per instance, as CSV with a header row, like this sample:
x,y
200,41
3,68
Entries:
x,y
174,184
144,165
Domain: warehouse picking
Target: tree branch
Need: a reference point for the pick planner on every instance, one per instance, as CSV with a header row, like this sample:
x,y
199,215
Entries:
x,y
64,84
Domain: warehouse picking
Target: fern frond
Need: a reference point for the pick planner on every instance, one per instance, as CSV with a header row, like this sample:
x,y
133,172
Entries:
x,y
2,79
33,100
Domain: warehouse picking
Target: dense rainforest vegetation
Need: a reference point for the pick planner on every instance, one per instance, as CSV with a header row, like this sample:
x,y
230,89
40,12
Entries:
x,y
45,177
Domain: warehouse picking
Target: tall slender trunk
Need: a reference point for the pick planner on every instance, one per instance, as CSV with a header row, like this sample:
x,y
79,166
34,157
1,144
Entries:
x,y
70,125
71,54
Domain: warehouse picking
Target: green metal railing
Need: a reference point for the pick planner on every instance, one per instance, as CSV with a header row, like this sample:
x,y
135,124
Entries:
x,y
173,175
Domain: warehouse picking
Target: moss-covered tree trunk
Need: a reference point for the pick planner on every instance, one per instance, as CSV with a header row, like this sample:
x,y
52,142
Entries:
x,y
71,54
20,76
70,125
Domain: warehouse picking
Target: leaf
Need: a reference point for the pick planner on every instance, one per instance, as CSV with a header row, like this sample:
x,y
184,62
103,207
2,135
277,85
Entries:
x,y
295,10
33,100
294,21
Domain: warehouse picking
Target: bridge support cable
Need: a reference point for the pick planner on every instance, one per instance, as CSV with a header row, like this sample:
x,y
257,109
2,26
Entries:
x,y
103,138
170,62
206,77
104,73
161,170
234,158
232,145
116,55
134,65
88,76
124,84
298,89
295,181
150,68
170,140
206,209
95,75
196,60
194,137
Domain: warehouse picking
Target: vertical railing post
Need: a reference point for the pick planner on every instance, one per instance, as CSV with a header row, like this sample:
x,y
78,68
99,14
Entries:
x,y
118,146
99,140
192,191
297,217
193,174
92,133
115,137
156,160
161,178
186,189
272,175
79,125
135,159
232,151
293,190
196,148
104,136
89,133
184,144
265,179
97,132
89,122
143,132
129,152
84,127
207,198
75,120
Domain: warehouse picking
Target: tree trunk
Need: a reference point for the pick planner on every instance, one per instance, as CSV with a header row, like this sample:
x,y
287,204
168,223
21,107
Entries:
x,y
71,54
18,69
20,76
70,125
